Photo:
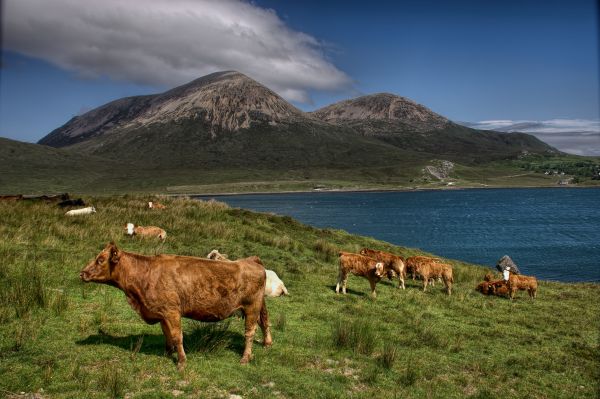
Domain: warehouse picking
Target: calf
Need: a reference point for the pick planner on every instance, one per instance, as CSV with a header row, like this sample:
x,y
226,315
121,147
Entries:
x,y
156,205
521,282
429,270
414,261
489,287
164,288
359,265
390,261
145,231
83,211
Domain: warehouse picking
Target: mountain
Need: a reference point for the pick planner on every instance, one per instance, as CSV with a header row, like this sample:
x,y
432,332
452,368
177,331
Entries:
x,y
226,126
222,101
383,107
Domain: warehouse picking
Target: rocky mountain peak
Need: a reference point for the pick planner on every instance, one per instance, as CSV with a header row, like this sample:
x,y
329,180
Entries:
x,y
222,101
382,107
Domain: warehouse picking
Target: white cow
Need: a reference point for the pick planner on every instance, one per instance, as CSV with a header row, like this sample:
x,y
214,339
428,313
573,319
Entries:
x,y
274,287
83,211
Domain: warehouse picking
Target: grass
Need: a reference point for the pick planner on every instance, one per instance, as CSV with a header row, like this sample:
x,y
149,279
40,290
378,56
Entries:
x,y
64,339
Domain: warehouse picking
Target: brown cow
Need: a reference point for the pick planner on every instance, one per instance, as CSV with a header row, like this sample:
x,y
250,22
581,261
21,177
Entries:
x,y
414,261
432,270
521,282
163,288
489,287
390,261
359,265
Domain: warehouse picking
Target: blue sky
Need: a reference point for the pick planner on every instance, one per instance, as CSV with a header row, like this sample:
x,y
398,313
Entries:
x,y
467,60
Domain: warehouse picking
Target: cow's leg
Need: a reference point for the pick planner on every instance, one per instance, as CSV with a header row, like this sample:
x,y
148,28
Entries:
x,y
169,347
373,284
401,276
173,325
339,282
263,322
344,277
448,286
425,280
252,316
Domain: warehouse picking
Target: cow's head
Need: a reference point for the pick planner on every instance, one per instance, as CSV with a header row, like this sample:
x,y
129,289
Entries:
x,y
129,228
379,269
100,269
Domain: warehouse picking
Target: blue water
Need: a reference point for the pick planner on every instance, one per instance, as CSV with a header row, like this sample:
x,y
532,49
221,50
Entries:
x,y
553,234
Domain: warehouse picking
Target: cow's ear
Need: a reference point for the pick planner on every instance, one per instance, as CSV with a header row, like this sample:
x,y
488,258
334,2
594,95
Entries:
x,y
115,254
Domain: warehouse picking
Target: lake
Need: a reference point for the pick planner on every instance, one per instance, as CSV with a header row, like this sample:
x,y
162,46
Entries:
x,y
553,234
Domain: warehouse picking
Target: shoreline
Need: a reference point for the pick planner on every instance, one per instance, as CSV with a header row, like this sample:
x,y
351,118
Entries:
x,y
373,190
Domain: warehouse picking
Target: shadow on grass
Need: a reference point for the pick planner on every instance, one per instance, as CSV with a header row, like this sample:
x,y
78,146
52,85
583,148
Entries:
x,y
348,291
203,339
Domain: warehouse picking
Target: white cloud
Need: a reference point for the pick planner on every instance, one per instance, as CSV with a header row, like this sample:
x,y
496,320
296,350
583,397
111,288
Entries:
x,y
171,42
574,136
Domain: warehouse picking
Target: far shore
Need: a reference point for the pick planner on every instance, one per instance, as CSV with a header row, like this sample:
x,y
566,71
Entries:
x,y
371,190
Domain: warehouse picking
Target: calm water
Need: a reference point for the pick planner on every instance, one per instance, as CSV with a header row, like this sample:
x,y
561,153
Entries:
x,y
551,233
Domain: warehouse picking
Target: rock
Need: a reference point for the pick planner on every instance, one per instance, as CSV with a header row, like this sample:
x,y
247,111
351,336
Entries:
x,y
506,262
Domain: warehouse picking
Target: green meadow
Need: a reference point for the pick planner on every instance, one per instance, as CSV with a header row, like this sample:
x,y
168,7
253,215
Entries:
x,y
60,338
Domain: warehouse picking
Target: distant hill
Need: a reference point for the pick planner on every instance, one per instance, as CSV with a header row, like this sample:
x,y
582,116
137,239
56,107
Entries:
x,y
226,126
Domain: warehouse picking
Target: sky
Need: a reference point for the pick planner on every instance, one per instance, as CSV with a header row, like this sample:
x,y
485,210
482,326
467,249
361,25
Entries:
x,y
489,64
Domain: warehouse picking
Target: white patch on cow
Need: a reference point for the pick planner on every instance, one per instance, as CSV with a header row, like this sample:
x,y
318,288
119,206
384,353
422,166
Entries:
x,y
506,274
150,204
379,269
130,229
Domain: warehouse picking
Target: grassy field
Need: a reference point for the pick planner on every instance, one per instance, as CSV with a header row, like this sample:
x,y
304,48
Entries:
x,y
61,338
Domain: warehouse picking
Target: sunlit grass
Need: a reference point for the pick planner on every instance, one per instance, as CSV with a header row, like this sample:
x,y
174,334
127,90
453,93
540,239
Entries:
x,y
83,340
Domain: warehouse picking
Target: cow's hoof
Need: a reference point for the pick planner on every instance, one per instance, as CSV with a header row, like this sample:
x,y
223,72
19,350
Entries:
x,y
268,344
180,367
245,360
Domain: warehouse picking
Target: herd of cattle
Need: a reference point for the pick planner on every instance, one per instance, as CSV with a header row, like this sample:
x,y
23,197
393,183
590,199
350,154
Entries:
x,y
164,288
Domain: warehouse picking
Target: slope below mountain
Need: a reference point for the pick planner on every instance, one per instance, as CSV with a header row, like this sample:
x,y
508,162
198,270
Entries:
x,y
31,168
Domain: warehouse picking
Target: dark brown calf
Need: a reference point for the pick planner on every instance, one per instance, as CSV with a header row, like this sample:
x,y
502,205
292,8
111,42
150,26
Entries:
x,y
390,261
164,288
359,265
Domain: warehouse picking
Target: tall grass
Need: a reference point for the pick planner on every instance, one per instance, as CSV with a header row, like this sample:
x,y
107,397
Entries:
x,y
357,335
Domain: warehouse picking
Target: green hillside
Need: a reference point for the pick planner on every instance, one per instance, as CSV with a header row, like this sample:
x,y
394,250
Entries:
x,y
60,338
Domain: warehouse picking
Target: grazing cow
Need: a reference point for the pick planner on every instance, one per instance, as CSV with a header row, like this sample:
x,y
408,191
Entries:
x,y
274,287
414,261
164,288
521,282
156,205
83,211
145,231
432,270
359,265
392,263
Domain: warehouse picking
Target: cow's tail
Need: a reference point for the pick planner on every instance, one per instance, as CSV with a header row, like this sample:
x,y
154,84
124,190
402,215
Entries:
x,y
285,291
